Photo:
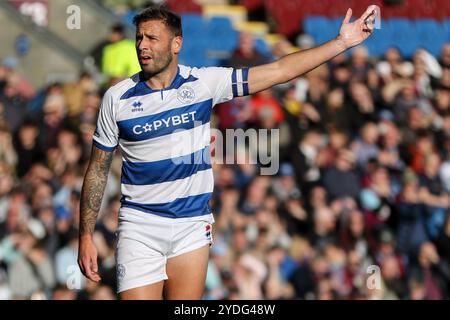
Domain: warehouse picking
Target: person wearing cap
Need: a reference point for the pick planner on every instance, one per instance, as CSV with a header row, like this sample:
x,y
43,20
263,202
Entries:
x,y
285,186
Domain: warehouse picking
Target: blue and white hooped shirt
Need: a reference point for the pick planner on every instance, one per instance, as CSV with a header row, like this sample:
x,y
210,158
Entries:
x,y
164,136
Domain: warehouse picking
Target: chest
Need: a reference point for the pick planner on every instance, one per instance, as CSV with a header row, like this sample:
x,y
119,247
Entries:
x,y
161,113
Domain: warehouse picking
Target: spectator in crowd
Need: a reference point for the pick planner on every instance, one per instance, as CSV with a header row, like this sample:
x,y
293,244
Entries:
x,y
76,93
246,53
54,120
14,104
366,147
431,272
29,150
341,180
435,199
8,154
119,59
443,242
305,159
394,277
359,62
411,219
31,270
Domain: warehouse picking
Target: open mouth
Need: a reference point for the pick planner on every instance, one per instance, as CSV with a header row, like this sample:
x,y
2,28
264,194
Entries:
x,y
144,59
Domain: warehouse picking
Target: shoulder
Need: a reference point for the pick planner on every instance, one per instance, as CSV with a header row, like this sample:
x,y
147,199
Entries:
x,y
203,72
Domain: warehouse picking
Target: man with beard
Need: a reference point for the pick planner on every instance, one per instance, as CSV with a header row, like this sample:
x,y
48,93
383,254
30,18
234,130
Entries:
x,y
160,118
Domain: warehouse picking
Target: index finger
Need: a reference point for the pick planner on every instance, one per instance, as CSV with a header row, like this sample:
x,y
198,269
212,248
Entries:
x,y
370,11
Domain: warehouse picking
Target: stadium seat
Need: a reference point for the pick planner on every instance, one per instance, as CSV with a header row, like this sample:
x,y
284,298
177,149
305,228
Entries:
x,y
314,25
431,35
406,34
236,13
192,21
220,23
263,48
222,34
127,18
321,29
446,26
403,34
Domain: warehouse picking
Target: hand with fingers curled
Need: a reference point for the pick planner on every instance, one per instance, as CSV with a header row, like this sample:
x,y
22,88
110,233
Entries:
x,y
353,33
87,258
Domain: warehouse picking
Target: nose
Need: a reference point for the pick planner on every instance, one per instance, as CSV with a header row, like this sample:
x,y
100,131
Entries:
x,y
143,45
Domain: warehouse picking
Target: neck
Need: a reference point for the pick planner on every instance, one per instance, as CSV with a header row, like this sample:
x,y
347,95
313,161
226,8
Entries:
x,y
163,79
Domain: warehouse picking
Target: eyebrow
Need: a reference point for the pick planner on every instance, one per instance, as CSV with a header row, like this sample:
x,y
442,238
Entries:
x,y
149,35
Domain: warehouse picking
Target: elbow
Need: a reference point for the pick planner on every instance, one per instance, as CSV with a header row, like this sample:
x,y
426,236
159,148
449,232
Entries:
x,y
282,73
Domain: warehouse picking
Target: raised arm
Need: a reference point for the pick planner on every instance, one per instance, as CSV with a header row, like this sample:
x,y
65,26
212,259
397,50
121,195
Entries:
x,y
91,198
298,63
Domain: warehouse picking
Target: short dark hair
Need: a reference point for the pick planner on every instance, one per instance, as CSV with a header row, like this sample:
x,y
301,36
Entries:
x,y
170,19
118,28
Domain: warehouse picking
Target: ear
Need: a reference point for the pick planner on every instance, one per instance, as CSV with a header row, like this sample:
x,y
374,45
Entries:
x,y
177,43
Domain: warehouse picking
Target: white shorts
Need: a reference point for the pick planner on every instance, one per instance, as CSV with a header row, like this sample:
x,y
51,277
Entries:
x,y
146,241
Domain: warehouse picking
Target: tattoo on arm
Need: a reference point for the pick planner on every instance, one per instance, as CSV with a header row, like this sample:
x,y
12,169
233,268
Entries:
x,y
93,187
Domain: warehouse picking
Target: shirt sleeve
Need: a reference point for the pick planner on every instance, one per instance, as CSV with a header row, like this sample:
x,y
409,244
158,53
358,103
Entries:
x,y
106,135
225,83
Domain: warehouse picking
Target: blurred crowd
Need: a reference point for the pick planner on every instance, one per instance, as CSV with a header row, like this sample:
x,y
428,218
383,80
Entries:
x,y
357,210
359,207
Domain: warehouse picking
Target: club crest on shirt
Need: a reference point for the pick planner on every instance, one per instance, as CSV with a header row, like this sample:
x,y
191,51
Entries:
x,y
186,94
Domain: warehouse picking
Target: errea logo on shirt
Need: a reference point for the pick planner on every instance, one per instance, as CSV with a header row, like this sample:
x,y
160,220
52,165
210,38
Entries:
x,y
186,94
137,106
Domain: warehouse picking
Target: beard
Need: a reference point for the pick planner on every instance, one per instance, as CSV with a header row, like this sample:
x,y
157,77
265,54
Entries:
x,y
160,62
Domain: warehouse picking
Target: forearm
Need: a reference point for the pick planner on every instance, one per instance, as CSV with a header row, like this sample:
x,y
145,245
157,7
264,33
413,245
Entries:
x,y
293,65
92,191
298,63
